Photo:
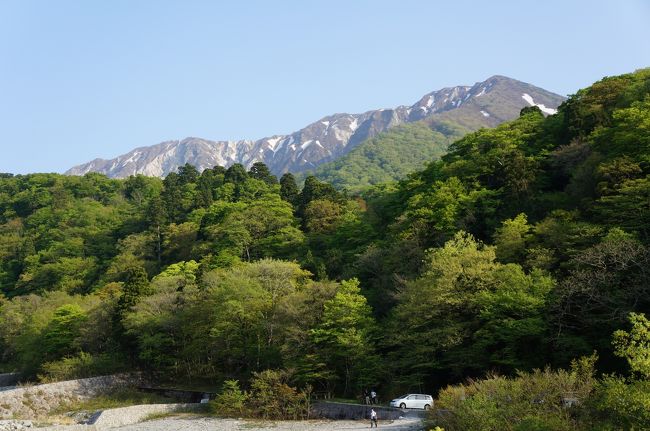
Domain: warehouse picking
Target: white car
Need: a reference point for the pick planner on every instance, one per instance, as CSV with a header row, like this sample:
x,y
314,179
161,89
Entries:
x,y
413,401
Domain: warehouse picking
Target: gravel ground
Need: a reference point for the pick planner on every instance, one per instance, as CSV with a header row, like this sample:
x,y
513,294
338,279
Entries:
x,y
213,424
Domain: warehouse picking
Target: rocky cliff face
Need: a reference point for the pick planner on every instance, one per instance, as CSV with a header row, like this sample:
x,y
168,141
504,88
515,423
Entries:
x,y
484,104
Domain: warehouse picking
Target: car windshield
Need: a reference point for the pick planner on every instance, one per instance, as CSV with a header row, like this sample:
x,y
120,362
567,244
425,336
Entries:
x,y
403,396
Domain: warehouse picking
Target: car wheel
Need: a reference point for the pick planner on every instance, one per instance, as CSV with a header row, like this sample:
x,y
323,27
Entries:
x,y
427,407
402,406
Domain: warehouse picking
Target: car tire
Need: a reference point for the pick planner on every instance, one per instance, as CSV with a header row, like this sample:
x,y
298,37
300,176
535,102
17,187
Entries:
x,y
402,406
427,407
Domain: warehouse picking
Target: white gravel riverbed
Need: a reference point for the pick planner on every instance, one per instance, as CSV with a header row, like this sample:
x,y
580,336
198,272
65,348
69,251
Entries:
x,y
213,424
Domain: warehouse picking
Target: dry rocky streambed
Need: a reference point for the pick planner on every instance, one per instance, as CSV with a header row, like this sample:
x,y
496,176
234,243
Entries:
x,y
213,424
198,423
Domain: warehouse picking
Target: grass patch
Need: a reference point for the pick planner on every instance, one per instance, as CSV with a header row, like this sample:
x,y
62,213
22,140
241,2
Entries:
x,y
122,397
53,421
155,416
186,413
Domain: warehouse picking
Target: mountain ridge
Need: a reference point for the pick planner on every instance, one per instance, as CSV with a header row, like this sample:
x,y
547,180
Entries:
x,y
326,139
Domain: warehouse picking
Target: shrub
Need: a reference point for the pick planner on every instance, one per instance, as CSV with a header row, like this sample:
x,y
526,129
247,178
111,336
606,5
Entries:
x,y
272,398
634,346
81,366
624,405
530,401
231,401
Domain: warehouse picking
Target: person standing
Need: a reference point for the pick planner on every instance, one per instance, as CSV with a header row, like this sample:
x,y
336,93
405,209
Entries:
x,y
373,418
373,397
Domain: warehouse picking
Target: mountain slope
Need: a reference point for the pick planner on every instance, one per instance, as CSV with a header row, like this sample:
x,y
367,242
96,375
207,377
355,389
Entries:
x,y
391,155
485,104
388,156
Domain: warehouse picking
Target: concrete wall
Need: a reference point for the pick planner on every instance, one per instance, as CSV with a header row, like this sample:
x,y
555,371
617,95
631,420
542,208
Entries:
x,y
9,379
36,401
182,396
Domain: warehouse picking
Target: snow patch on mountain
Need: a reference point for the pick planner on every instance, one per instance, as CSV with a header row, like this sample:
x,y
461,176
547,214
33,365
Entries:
x,y
273,141
529,99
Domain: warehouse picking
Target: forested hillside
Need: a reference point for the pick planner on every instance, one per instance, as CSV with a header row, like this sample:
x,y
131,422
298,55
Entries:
x,y
525,245
391,155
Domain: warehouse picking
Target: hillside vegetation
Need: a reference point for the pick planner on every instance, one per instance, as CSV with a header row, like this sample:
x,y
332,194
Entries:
x,y
524,246
389,156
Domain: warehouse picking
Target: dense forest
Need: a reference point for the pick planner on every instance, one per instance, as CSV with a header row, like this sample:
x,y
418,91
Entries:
x,y
524,246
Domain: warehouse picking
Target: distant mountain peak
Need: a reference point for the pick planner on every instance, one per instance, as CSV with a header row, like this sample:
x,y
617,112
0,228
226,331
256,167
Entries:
x,y
486,103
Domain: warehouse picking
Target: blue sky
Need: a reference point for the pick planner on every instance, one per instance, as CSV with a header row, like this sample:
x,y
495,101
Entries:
x,y
87,79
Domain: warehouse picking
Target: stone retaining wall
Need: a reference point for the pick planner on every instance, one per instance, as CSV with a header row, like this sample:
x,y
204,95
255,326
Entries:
x,y
37,401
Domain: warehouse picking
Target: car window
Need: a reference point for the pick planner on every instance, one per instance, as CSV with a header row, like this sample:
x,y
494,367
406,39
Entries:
x,y
411,397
